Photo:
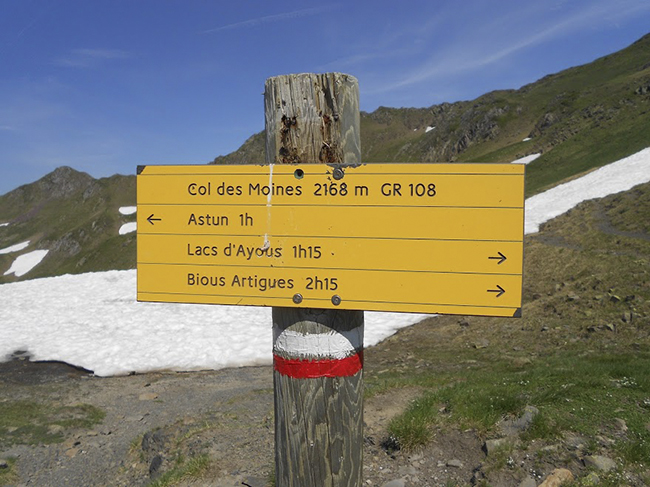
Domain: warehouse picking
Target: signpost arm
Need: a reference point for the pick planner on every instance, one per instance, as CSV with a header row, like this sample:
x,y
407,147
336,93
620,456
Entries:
x,y
318,354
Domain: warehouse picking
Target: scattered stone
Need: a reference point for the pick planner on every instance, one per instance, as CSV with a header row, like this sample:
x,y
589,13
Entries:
x,y
574,442
492,446
55,429
463,323
153,441
620,424
92,433
71,443
72,452
155,465
395,483
148,396
610,327
573,297
416,457
592,479
604,441
557,477
407,470
3,464
599,462
528,482
614,298
481,343
255,482
627,317
455,463
512,427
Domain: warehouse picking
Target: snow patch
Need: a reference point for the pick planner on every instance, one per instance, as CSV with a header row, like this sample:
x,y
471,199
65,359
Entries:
x,y
128,210
428,129
527,139
93,321
613,178
15,248
25,263
128,228
4,224
526,159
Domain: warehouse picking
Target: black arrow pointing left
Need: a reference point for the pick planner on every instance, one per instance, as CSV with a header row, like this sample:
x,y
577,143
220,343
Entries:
x,y
151,219
499,291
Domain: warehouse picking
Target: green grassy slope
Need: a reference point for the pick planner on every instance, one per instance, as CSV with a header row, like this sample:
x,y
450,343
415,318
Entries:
x,y
75,217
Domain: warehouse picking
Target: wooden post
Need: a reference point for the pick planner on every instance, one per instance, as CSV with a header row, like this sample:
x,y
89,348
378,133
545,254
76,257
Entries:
x,y
318,354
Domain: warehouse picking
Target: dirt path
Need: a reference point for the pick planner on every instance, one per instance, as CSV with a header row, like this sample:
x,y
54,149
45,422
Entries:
x,y
134,406
153,420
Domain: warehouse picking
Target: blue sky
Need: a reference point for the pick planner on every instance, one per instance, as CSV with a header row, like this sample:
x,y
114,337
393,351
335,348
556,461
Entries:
x,y
105,85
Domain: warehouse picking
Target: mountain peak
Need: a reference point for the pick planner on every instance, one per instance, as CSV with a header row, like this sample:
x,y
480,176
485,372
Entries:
x,y
64,181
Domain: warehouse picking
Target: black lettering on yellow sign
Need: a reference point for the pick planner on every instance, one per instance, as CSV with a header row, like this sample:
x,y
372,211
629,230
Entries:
x,y
196,189
419,190
201,250
208,220
273,190
261,283
249,252
196,279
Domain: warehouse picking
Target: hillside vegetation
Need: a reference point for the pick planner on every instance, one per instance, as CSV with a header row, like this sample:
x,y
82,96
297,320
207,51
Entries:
x,y
578,119
75,217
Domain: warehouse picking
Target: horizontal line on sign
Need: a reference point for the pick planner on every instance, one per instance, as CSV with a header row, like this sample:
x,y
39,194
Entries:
x,y
287,298
208,235
193,264
219,295
418,303
310,205
328,174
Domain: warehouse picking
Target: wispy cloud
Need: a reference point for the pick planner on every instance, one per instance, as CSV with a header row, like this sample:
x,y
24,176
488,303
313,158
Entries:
x,y
526,31
90,58
307,12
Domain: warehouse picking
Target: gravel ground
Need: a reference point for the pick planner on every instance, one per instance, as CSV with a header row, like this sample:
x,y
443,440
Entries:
x,y
152,419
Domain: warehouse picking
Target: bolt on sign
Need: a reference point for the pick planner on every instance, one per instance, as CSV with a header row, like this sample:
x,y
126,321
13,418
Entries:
x,y
431,238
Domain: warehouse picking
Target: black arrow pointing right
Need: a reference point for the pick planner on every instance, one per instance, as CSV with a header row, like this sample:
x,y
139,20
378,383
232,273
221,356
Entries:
x,y
151,219
499,291
501,258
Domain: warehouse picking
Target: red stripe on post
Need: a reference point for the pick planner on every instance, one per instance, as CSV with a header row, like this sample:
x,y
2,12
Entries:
x,y
312,369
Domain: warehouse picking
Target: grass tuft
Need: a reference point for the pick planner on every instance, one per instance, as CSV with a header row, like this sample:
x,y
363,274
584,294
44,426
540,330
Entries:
x,y
31,422
183,470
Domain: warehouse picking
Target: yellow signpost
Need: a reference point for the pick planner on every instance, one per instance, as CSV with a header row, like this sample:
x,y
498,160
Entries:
x,y
434,238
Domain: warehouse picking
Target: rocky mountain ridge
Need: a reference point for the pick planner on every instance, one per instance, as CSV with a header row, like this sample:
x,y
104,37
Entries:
x,y
73,216
578,119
